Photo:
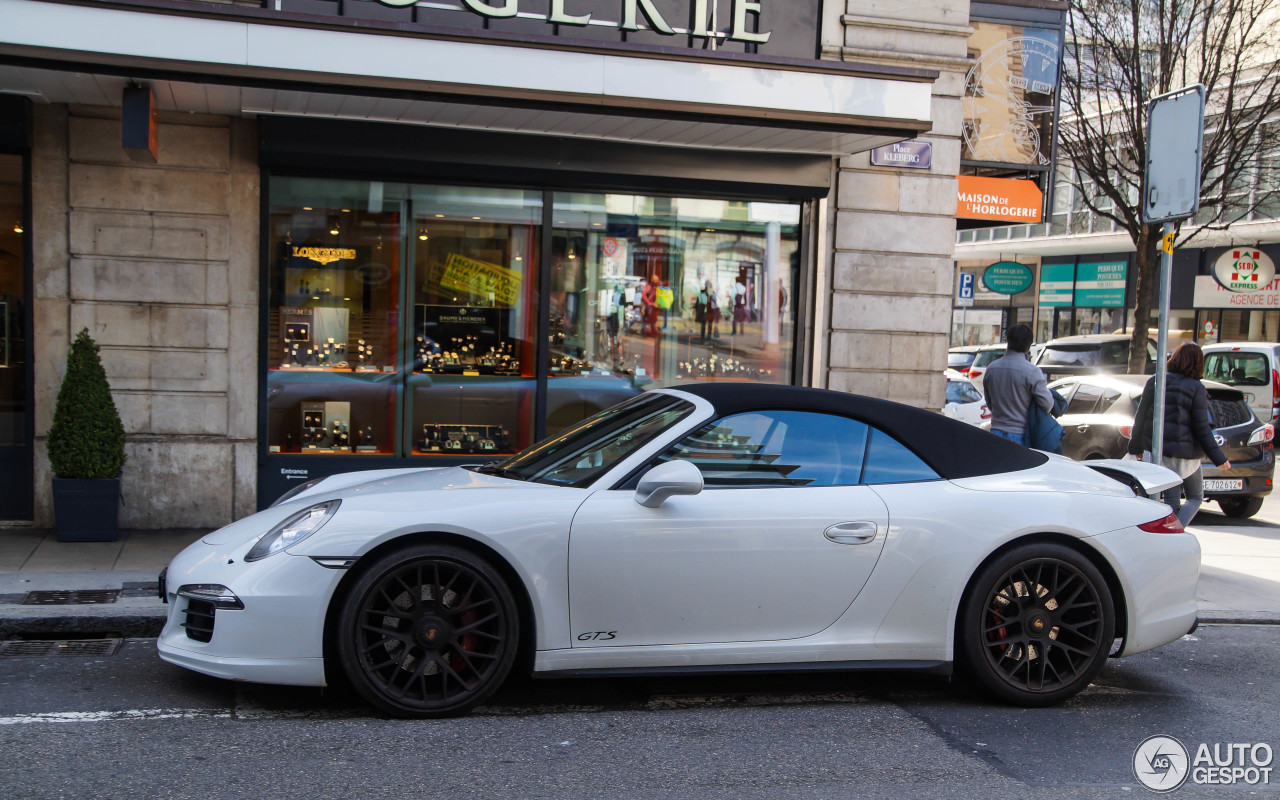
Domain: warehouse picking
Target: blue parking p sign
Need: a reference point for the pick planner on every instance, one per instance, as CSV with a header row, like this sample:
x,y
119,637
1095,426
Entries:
x,y
966,286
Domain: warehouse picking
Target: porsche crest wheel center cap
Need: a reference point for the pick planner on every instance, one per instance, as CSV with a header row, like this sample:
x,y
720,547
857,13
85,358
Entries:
x,y
1037,625
432,632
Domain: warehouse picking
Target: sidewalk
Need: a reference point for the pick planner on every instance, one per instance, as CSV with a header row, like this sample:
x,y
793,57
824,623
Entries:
x,y
1239,576
35,561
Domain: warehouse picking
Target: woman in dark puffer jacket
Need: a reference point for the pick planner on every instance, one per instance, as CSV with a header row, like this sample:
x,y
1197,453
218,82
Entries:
x,y
1188,432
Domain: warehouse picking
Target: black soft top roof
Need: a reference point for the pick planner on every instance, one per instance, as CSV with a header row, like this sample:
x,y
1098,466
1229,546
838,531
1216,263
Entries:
x,y
953,449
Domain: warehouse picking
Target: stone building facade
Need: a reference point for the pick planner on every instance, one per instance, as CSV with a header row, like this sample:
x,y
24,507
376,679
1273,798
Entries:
x,y
169,263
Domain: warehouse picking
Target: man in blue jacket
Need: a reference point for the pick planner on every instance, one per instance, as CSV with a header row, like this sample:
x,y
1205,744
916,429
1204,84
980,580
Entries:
x,y
1012,384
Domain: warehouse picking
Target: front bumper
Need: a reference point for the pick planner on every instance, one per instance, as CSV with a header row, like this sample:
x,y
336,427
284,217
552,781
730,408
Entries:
x,y
278,637
1158,573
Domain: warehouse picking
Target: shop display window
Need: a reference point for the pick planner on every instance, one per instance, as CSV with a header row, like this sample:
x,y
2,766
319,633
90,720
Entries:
x,y
648,292
332,340
474,293
404,319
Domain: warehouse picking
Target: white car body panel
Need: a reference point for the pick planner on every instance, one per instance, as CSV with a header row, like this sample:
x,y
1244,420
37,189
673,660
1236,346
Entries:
x,y
677,584
708,568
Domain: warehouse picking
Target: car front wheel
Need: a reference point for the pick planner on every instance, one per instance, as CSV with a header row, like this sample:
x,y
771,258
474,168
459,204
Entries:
x,y
1036,625
1240,507
428,631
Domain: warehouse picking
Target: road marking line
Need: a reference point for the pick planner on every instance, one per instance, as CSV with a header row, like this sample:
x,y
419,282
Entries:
x,y
113,716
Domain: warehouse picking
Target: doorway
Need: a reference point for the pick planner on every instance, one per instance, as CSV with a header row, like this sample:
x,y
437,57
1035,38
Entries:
x,y
15,375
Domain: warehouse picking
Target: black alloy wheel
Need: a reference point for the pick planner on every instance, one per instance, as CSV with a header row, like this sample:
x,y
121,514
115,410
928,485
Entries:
x,y
1240,507
428,631
1037,625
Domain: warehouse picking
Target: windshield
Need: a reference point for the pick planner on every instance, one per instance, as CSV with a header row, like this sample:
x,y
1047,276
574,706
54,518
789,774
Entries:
x,y
987,356
589,449
958,360
1237,369
962,392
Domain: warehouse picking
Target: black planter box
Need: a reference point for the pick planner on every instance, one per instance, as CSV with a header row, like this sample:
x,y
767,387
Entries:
x,y
86,510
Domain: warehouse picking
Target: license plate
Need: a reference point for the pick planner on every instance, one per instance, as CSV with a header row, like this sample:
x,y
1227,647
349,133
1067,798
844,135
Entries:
x,y
1223,484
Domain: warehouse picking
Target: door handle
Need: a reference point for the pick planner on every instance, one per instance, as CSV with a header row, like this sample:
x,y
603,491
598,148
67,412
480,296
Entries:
x,y
852,532
1082,429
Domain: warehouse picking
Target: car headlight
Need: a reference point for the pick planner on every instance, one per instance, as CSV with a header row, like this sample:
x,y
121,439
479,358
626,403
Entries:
x,y
293,530
295,491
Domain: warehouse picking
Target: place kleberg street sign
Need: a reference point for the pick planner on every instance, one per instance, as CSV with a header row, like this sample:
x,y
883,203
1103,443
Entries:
x,y
1101,284
1000,199
1244,269
910,154
1007,277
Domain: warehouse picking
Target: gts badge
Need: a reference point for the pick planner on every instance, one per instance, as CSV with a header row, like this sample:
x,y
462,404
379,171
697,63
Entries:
x,y
597,636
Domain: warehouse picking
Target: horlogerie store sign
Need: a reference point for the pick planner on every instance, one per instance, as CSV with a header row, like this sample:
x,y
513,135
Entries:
x,y
776,28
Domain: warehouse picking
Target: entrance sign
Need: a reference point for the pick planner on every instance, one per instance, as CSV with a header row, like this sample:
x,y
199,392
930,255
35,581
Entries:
x,y
1007,277
1000,199
1175,131
1244,269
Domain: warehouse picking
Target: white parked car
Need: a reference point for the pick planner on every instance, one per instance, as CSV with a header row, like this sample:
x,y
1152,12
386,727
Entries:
x,y
717,527
1251,367
964,401
983,360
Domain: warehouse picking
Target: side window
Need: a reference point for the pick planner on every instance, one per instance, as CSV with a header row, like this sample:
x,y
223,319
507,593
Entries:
x,y
1085,400
776,448
888,461
1109,398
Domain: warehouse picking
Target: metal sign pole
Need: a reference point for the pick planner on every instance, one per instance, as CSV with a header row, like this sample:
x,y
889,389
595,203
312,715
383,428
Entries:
x,y
1162,342
1171,191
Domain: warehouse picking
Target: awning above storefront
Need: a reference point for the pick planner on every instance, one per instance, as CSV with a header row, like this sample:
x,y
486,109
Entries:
x,y
57,52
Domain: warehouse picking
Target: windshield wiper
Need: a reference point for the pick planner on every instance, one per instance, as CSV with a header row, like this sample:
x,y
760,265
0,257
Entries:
x,y
492,468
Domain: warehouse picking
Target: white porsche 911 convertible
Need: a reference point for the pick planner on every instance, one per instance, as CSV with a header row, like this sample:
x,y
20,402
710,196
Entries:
x,y
717,527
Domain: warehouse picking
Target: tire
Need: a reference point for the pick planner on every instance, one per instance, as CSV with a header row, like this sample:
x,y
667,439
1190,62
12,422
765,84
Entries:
x,y
1240,507
1036,625
428,631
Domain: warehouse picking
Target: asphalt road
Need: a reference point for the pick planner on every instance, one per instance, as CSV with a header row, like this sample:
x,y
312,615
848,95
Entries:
x,y
130,726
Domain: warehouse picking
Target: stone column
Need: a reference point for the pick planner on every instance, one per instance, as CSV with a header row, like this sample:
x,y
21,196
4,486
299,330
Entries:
x,y
160,263
891,273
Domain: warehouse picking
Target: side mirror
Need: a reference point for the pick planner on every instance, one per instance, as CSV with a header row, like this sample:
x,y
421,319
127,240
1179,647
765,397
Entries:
x,y
665,480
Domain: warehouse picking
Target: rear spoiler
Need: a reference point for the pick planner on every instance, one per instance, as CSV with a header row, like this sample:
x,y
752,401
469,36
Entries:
x,y
1146,480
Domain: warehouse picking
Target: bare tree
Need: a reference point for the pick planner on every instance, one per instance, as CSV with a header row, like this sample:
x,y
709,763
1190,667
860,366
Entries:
x,y
1122,53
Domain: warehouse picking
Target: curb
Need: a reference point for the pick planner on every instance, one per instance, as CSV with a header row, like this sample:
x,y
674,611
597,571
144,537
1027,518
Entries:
x,y
134,625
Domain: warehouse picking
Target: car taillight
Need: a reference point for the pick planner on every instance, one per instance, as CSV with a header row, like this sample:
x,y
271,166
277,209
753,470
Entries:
x,y
1275,392
986,412
1263,435
963,370
1167,524
974,372
1126,431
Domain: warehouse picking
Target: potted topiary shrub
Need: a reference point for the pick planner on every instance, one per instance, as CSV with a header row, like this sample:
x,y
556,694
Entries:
x,y
86,449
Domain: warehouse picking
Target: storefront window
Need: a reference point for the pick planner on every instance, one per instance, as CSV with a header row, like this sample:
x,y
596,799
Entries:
x,y
653,291
474,293
403,319
332,333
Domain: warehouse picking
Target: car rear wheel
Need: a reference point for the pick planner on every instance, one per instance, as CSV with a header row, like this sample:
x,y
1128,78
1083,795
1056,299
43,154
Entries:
x,y
1036,625
1240,507
428,631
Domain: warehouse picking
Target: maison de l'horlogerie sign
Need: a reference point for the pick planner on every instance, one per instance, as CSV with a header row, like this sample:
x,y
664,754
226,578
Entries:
x,y
779,28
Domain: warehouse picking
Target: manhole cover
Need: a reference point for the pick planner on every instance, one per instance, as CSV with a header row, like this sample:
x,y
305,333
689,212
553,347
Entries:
x,y
75,597
41,648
